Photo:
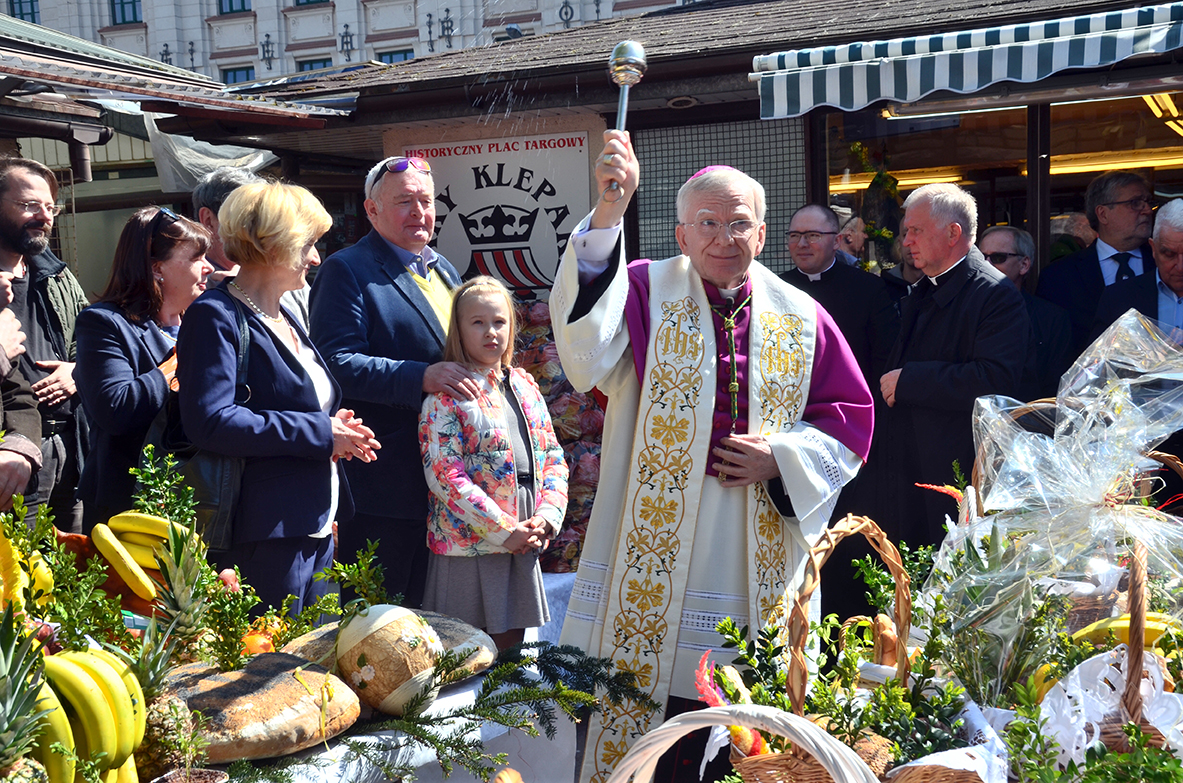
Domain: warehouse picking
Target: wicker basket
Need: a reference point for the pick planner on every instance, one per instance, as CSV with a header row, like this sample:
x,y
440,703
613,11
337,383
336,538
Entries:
x,y
1040,416
798,765
839,761
1112,732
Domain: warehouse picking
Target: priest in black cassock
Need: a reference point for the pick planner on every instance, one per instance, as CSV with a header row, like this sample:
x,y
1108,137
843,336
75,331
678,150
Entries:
x,y
857,300
865,313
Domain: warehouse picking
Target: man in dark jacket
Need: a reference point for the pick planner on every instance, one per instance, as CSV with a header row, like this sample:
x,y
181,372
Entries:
x,y
46,298
964,333
1012,251
857,300
1119,208
20,448
380,312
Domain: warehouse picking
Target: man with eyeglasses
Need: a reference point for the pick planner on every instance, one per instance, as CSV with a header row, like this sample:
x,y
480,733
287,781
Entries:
x,y
736,413
1158,294
1119,207
857,300
46,299
964,333
379,315
1011,251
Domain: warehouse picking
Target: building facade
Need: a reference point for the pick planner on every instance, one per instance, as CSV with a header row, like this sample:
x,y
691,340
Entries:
x,y
237,41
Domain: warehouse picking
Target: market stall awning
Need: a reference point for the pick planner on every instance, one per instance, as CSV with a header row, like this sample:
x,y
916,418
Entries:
x,y
855,75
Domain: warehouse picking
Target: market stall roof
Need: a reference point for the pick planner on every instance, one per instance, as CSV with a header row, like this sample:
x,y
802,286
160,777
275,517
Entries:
x,y
703,50
81,70
852,76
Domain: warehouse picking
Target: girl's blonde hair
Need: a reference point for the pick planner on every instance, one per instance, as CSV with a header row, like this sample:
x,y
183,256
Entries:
x,y
270,223
453,348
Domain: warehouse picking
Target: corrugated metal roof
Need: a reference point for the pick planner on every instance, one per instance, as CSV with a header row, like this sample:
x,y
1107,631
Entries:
x,y
674,37
26,36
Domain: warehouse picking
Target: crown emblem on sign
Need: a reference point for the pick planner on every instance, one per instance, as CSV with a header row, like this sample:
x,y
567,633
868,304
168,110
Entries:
x,y
497,224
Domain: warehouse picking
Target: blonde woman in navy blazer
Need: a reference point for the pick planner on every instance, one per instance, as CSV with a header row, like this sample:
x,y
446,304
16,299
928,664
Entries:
x,y
290,430
125,342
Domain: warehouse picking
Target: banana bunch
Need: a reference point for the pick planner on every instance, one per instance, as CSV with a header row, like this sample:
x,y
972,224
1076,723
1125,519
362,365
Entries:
x,y
95,704
130,558
12,575
142,535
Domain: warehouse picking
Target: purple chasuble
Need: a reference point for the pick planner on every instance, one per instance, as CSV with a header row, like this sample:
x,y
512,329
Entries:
x,y
839,404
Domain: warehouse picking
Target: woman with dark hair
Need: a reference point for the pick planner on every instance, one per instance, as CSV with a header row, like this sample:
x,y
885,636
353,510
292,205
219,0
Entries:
x,y
126,349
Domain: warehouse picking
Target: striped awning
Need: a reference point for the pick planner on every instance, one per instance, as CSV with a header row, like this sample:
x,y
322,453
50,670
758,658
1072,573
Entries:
x,y
856,75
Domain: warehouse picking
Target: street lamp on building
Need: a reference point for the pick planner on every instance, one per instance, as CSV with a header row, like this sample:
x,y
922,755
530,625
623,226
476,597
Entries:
x,y
347,43
268,50
166,56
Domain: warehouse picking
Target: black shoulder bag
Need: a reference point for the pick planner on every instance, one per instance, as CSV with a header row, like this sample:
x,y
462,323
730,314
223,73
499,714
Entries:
x,y
215,478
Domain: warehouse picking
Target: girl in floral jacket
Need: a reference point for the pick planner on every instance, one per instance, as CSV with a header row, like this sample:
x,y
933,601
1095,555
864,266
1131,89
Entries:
x,y
497,476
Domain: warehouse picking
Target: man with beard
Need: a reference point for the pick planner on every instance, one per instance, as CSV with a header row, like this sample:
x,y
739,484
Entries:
x,y
46,298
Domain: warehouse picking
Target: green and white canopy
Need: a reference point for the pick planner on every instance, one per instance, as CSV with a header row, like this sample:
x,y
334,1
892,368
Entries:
x,y
853,76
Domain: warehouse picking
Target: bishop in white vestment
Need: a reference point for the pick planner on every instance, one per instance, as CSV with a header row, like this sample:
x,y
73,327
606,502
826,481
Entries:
x,y
736,413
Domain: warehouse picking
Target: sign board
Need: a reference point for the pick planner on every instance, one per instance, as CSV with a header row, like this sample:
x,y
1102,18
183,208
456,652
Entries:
x,y
506,207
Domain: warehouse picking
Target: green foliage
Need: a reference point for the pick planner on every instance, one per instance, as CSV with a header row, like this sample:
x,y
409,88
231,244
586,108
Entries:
x,y
881,584
89,769
917,720
1033,754
520,692
162,491
285,628
228,618
959,479
80,604
366,577
185,738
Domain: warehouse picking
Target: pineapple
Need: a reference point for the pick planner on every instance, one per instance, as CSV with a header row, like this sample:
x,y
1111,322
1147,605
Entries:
x,y
182,598
153,757
20,682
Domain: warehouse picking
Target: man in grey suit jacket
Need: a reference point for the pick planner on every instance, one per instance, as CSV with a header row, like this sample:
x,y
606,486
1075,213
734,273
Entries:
x,y
379,315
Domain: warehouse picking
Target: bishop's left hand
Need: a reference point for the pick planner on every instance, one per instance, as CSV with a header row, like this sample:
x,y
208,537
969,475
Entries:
x,y
744,460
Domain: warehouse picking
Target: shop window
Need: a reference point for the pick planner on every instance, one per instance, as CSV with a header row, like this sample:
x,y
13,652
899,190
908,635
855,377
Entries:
x,y
25,10
123,11
985,152
315,65
771,152
233,6
402,55
245,73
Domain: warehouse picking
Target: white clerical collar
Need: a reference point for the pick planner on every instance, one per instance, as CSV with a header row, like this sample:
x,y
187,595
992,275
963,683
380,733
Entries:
x,y
731,293
818,276
937,280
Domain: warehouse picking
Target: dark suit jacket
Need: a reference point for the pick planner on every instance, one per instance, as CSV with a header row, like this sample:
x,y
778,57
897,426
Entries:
x,y
1052,329
122,392
282,432
966,337
378,333
859,303
1140,293
1075,283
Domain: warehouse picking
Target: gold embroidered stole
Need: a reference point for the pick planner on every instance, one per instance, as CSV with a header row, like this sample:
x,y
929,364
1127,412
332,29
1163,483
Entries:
x,y
647,581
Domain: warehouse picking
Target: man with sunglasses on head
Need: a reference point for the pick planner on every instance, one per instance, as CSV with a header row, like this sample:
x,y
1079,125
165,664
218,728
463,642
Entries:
x,y
379,312
46,299
736,414
1119,207
1012,250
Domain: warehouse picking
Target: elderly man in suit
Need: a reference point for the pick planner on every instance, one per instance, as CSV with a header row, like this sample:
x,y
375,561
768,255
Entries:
x,y
1158,294
379,315
964,332
1012,251
1118,205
